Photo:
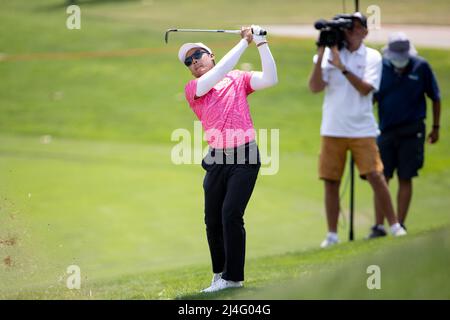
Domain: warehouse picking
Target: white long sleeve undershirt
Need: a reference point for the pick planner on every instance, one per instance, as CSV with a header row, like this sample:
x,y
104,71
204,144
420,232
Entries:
x,y
207,81
268,77
259,80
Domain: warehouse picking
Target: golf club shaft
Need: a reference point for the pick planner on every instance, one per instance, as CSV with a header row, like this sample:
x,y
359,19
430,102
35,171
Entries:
x,y
166,37
206,30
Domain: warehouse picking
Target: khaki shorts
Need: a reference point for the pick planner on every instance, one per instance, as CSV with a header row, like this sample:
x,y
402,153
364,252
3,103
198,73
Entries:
x,y
333,155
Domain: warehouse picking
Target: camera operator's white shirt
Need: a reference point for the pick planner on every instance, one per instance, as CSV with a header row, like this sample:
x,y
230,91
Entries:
x,y
346,112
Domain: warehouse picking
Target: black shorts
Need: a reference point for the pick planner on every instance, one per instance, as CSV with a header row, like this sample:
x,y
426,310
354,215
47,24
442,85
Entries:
x,y
402,149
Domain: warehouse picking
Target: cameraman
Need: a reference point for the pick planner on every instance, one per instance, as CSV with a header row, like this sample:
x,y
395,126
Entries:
x,y
349,77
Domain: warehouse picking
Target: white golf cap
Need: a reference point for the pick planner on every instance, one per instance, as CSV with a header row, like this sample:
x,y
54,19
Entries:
x,y
188,46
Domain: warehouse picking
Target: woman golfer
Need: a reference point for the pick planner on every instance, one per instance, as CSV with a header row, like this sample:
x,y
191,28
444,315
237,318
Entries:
x,y
218,96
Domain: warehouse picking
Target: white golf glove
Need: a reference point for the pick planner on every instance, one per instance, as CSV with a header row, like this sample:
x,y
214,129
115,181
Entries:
x,y
256,37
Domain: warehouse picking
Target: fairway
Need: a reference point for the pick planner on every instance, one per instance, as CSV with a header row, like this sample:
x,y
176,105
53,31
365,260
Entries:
x,y
86,176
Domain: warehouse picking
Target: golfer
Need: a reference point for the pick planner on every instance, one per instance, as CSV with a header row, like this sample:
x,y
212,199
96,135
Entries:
x,y
218,97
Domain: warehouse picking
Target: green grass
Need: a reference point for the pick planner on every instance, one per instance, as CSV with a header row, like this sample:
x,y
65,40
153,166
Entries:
x,y
104,194
414,267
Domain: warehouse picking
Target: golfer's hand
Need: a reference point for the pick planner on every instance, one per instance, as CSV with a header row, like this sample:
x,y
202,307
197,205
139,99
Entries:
x,y
336,60
256,37
433,137
246,33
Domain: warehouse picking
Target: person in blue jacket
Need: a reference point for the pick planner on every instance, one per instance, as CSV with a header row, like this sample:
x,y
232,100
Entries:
x,y
406,81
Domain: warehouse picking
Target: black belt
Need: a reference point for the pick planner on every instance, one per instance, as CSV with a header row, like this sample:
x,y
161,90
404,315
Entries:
x,y
247,153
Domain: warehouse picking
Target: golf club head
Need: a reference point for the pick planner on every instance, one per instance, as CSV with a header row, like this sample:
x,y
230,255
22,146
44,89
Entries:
x,y
166,36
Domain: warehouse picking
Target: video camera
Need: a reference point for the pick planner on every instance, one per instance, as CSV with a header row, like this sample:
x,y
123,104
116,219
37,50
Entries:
x,y
332,31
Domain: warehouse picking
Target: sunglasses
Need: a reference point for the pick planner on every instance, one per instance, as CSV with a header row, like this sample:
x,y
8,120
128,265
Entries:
x,y
196,55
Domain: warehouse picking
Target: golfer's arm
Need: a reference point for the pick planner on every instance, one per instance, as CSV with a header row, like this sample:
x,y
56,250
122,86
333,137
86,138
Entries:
x,y
268,77
207,81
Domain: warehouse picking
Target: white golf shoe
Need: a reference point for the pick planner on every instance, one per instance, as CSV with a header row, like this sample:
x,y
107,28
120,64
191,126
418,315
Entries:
x,y
222,284
216,276
328,242
399,232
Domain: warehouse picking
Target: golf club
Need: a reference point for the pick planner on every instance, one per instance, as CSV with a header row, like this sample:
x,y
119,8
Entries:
x,y
166,37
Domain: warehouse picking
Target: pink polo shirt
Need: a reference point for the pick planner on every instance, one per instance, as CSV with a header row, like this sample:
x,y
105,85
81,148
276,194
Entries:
x,y
224,110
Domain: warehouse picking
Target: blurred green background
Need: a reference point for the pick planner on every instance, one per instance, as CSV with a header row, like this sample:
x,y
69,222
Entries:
x,y
85,172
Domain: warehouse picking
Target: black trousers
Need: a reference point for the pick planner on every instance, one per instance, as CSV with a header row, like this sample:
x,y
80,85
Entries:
x,y
228,185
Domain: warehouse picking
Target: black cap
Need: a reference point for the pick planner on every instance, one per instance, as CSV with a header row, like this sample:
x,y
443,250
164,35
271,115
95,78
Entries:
x,y
362,18
354,16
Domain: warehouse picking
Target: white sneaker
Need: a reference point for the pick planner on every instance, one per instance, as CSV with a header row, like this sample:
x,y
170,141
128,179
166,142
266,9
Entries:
x,y
222,284
328,242
399,232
